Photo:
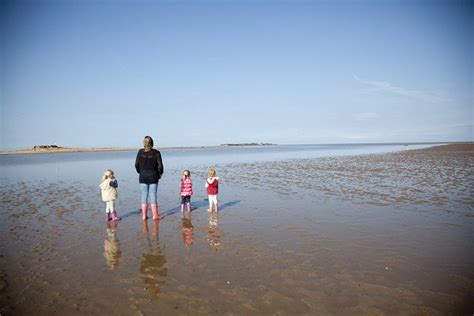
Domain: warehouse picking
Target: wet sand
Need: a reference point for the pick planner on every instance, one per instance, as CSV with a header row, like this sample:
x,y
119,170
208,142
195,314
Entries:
x,y
379,234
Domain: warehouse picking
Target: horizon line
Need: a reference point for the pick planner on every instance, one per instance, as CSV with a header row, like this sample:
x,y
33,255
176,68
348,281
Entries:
x,y
226,145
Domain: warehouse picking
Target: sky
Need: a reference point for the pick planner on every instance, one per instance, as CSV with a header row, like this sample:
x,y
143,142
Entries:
x,y
190,73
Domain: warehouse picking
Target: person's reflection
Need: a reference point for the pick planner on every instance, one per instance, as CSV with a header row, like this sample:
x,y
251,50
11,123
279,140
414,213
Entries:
x,y
153,264
188,232
112,251
213,232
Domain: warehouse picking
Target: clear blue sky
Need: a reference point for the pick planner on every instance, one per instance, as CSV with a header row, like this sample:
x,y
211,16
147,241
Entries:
x,y
107,73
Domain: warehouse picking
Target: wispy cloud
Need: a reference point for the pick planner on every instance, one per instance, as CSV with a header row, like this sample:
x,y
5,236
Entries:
x,y
410,93
365,116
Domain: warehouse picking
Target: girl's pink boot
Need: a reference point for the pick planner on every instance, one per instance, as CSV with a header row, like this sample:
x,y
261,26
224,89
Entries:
x,y
144,215
114,216
154,210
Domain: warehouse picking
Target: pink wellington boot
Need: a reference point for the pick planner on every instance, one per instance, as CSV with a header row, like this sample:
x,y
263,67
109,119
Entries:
x,y
154,210
114,216
144,215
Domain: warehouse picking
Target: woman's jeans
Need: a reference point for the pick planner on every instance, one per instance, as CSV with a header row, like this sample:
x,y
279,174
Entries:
x,y
149,190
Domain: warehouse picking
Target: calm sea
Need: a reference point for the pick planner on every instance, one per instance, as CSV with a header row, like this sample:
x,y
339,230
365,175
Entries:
x,y
90,165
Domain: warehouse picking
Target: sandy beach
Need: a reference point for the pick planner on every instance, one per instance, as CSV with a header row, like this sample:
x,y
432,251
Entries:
x,y
374,234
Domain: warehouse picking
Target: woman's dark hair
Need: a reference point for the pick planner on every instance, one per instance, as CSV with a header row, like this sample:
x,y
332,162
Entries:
x,y
148,143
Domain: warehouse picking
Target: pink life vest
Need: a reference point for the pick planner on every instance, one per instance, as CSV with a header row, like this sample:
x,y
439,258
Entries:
x,y
186,187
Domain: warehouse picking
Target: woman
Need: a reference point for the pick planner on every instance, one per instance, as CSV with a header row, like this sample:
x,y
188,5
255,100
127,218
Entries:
x,y
150,168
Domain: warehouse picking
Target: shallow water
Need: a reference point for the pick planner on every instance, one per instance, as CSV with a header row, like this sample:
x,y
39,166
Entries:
x,y
301,231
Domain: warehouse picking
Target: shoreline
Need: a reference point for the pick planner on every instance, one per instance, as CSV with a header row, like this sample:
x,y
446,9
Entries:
x,y
79,150
121,149
61,150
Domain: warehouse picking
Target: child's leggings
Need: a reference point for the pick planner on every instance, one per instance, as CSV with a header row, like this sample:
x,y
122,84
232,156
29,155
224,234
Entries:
x,y
110,206
212,199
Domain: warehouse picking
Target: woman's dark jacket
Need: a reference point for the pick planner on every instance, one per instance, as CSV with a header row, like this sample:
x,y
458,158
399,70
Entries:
x,y
149,166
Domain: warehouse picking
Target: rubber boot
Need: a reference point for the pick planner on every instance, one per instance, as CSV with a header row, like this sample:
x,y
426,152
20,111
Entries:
x,y
154,210
182,210
114,216
144,215
107,216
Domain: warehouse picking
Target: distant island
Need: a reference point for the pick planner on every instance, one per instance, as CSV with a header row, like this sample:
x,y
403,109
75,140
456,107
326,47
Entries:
x,y
47,147
246,144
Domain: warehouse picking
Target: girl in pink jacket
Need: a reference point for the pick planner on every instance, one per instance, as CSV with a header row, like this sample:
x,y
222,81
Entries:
x,y
186,191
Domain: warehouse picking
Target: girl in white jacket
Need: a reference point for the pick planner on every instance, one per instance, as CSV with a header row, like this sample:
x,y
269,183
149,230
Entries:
x,y
108,187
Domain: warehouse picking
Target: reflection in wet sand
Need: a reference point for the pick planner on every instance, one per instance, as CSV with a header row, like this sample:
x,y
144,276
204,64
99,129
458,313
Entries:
x,y
153,268
112,251
187,231
213,232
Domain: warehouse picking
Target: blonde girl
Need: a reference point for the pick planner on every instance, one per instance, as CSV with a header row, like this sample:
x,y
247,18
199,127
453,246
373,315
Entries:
x,y
212,186
186,189
108,187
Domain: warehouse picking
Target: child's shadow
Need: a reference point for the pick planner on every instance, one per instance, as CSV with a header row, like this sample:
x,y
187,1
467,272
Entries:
x,y
139,211
194,206
198,204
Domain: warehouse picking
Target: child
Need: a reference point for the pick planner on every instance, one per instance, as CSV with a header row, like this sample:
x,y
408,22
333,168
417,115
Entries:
x,y
212,185
186,192
108,187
